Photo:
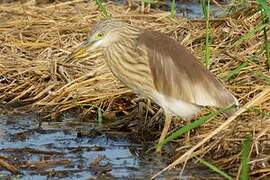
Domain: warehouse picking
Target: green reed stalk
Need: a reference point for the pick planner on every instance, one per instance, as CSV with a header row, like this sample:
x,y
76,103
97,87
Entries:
x,y
207,52
173,8
103,10
246,148
214,168
265,13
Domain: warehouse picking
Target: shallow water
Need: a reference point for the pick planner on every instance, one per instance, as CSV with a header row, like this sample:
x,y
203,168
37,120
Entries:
x,y
188,8
192,9
25,141
71,149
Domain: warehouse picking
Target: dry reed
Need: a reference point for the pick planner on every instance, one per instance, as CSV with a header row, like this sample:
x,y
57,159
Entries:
x,y
35,41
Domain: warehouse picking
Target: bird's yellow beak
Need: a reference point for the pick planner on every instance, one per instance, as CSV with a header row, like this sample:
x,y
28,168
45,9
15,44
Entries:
x,y
81,51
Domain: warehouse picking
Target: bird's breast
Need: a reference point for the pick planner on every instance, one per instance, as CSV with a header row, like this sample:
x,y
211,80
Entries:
x,y
130,68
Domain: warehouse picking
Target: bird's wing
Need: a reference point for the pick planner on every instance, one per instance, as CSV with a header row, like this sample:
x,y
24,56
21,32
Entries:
x,y
177,74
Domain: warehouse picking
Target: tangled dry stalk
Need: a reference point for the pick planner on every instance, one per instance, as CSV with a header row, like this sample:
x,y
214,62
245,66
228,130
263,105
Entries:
x,y
35,41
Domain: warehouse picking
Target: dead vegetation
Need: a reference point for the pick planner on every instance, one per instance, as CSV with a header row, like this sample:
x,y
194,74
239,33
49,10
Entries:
x,y
35,41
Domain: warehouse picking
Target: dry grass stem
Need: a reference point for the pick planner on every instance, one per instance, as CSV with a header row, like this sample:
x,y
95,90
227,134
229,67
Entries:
x,y
256,100
35,41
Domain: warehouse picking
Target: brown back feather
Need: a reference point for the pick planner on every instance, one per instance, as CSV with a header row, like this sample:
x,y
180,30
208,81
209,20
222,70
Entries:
x,y
176,73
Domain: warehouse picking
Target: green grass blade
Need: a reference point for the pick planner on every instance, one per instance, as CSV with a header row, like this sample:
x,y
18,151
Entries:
x,y
266,47
261,76
207,52
214,168
173,8
236,71
99,111
99,116
103,9
149,1
246,147
196,123
204,7
265,13
187,128
249,34
265,7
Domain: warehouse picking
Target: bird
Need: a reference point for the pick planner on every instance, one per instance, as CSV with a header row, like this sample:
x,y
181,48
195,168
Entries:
x,y
158,68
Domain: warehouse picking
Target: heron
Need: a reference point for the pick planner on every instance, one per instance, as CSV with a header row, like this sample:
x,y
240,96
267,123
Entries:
x,y
158,68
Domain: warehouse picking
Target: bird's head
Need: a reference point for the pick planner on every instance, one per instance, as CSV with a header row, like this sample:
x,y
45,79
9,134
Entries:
x,y
103,35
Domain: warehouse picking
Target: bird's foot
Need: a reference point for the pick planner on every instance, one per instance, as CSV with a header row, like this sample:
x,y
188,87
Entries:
x,y
143,104
164,132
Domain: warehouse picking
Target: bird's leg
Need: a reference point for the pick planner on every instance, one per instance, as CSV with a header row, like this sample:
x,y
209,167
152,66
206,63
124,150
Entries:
x,y
130,3
138,99
143,105
142,6
148,7
187,136
165,130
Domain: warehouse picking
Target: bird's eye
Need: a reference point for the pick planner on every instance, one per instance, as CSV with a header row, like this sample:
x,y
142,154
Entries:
x,y
100,35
